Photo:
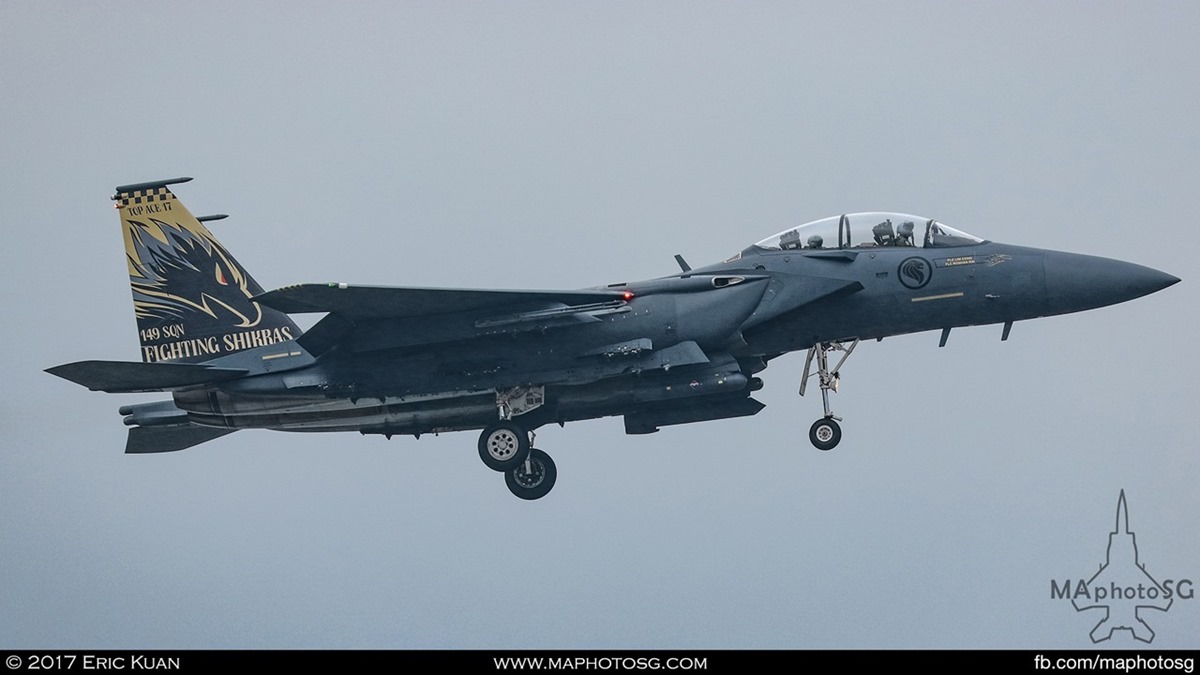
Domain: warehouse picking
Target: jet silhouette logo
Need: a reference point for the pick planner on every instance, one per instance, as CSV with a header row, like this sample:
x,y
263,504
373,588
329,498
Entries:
x,y
1122,587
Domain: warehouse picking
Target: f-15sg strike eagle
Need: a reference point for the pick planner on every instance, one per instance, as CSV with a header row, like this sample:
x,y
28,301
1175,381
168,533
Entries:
x,y
673,350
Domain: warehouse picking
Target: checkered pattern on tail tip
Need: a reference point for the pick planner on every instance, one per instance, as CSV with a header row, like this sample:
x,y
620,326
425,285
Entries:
x,y
158,194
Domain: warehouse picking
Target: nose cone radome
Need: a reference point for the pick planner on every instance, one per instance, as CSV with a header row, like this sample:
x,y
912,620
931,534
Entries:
x,y
1077,282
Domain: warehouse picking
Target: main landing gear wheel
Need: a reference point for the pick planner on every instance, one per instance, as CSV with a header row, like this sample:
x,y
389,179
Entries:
x,y
825,434
503,446
532,478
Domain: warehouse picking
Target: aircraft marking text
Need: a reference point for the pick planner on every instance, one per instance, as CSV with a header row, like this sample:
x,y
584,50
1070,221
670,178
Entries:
x,y
215,345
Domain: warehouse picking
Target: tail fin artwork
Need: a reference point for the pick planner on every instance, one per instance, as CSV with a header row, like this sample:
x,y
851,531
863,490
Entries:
x,y
191,297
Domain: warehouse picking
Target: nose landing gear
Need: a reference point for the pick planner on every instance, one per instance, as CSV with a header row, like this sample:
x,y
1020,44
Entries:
x,y
825,433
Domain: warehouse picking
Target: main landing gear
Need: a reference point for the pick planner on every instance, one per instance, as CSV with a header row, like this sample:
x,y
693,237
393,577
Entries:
x,y
534,477
825,433
503,445
507,447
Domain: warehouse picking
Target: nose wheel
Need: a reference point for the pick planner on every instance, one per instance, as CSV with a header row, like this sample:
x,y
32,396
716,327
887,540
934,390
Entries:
x,y
826,433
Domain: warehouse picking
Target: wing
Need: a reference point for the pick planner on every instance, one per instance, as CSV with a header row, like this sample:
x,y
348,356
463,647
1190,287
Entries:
x,y
376,317
379,302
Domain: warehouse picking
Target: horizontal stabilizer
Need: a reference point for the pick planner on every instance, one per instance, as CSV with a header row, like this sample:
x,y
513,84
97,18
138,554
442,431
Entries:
x,y
119,377
145,440
380,302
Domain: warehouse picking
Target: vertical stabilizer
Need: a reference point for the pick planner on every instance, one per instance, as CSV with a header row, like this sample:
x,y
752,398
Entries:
x,y
191,297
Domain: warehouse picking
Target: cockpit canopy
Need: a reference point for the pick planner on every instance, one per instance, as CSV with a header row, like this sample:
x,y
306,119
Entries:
x,y
869,230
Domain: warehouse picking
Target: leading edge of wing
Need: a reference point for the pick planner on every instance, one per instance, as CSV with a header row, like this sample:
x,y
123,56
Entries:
x,y
377,302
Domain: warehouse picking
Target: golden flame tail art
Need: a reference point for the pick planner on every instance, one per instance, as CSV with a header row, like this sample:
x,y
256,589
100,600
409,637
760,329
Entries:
x,y
192,299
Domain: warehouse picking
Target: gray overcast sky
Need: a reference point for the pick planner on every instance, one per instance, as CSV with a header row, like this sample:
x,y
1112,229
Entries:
x,y
561,145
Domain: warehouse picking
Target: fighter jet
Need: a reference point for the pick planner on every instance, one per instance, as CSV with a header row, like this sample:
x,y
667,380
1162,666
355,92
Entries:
x,y
686,347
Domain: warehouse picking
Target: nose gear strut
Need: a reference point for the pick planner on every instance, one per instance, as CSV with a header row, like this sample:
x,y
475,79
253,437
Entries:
x,y
825,433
